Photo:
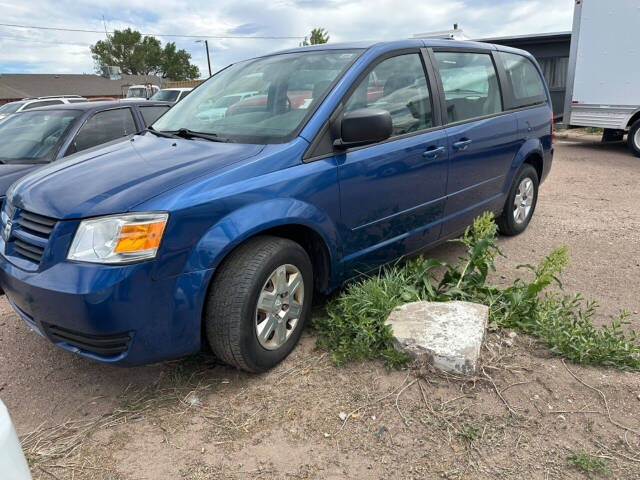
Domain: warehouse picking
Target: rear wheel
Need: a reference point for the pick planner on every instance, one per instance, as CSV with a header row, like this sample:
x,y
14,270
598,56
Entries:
x,y
258,303
633,138
520,203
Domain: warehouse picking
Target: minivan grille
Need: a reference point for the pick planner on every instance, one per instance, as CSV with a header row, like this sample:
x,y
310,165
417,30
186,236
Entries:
x,y
30,233
38,224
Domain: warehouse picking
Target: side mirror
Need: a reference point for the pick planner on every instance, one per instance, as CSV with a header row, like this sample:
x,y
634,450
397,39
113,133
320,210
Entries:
x,y
363,126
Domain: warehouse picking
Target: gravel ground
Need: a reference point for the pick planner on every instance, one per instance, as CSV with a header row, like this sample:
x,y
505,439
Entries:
x,y
198,420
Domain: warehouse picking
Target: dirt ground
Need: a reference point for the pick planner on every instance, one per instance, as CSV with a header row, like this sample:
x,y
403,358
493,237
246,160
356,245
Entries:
x,y
518,418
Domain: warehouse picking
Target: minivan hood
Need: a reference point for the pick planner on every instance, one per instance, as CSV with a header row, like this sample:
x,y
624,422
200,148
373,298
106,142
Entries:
x,y
118,176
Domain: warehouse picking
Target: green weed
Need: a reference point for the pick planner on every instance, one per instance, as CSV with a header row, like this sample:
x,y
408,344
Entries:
x,y
354,327
589,464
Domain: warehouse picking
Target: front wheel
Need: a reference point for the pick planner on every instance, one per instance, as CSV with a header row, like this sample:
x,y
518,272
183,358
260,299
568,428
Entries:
x,y
258,303
520,203
633,138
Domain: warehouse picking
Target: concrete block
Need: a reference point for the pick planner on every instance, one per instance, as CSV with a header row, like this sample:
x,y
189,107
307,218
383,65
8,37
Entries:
x,y
446,334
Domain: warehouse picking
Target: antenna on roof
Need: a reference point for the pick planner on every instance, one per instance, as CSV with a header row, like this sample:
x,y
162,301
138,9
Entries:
x,y
104,22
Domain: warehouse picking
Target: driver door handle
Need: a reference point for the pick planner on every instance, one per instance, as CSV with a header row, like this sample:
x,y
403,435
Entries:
x,y
433,152
462,144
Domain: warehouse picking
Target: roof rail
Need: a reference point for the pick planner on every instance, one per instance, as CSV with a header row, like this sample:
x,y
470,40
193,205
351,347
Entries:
x,y
59,96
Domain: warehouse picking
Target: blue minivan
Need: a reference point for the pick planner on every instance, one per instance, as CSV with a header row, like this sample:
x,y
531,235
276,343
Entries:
x,y
323,162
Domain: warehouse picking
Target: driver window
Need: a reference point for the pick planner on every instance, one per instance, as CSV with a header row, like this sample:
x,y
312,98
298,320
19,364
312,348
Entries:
x,y
398,85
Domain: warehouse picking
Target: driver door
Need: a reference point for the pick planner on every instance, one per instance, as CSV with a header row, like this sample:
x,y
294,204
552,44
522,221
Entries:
x,y
392,193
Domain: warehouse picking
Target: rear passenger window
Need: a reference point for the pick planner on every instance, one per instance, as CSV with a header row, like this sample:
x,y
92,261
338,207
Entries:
x,y
398,85
470,85
151,114
528,88
104,127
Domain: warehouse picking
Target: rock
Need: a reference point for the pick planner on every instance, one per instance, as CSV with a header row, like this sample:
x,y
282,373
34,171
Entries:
x,y
342,416
446,334
512,334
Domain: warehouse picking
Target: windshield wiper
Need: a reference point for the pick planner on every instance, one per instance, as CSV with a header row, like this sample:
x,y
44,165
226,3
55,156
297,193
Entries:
x,y
188,134
159,133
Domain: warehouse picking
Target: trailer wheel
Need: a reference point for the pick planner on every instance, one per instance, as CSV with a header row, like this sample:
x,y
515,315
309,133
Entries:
x,y
633,138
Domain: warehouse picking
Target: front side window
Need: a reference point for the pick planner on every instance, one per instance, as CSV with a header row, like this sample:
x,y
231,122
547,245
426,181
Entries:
x,y
470,85
34,137
264,100
104,127
527,84
398,85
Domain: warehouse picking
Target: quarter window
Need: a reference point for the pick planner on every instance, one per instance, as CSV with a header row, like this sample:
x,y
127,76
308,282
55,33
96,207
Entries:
x,y
470,85
151,114
104,127
398,85
527,84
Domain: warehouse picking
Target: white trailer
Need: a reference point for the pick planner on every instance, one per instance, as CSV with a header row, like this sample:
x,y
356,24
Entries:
x,y
603,81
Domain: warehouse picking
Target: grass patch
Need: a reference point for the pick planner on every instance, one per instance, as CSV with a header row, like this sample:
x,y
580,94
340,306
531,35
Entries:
x,y
589,464
354,327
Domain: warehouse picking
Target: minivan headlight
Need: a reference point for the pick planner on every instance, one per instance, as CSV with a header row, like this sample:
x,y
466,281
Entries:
x,y
118,238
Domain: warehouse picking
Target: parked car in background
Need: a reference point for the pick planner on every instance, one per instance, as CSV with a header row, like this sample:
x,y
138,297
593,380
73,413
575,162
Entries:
x,y
102,99
35,137
216,109
12,462
172,95
29,103
220,230
138,92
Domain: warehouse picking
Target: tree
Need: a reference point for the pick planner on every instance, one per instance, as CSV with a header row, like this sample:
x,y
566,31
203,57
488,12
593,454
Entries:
x,y
318,36
138,55
176,64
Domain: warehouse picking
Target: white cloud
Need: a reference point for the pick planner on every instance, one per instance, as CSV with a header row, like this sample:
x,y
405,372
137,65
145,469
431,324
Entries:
x,y
67,52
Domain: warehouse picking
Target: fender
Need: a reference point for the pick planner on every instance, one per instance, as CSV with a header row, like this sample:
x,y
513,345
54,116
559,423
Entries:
x,y
250,220
529,147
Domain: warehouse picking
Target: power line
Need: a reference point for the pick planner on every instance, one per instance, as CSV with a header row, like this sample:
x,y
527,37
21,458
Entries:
x,y
79,30
48,42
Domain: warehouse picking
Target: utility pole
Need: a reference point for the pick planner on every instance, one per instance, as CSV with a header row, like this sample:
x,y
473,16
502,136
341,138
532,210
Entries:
x,y
206,47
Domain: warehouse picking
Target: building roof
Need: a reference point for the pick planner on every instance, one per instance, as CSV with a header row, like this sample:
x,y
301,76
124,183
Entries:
x,y
23,85
531,38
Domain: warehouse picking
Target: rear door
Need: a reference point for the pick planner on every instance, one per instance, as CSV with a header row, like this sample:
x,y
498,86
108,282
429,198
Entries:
x,y
482,138
393,193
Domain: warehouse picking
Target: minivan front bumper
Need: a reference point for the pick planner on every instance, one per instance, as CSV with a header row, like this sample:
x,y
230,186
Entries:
x,y
114,314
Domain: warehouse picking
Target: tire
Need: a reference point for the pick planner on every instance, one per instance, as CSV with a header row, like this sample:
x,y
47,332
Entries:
x,y
507,222
232,316
633,138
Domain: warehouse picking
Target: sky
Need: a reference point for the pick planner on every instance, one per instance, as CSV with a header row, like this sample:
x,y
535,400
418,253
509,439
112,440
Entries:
x,y
43,51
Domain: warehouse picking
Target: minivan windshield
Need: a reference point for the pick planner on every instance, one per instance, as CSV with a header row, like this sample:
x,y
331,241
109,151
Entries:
x,y
263,100
34,136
